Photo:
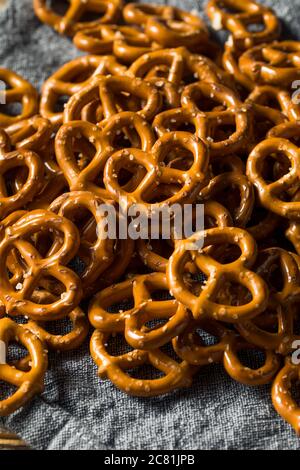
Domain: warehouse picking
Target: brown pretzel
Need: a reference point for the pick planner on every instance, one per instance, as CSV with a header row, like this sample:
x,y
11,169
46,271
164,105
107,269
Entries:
x,y
17,299
272,64
267,95
270,194
282,398
28,383
230,61
14,160
190,180
72,21
245,13
206,304
33,133
18,91
176,375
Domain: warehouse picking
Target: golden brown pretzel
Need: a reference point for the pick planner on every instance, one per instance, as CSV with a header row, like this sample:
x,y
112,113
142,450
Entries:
x,y
176,375
18,91
268,96
230,62
14,160
33,133
18,298
272,64
282,398
27,383
205,304
72,22
245,13
190,180
270,194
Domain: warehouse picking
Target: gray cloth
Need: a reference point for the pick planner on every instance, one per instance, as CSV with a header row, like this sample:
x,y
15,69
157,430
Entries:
x,y
77,410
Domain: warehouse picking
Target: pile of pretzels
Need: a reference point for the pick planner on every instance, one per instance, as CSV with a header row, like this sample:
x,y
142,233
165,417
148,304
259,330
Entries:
x,y
157,113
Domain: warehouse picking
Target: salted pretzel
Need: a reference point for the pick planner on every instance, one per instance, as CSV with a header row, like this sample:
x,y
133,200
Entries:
x,y
205,304
267,95
190,181
18,90
95,251
282,397
108,92
27,383
33,133
18,237
70,78
270,194
274,64
228,110
103,143
176,375
230,62
73,20
14,160
243,14
145,309
271,261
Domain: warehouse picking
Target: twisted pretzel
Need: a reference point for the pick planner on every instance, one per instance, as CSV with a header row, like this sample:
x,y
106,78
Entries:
x,y
271,194
18,299
33,133
18,91
72,21
245,13
205,304
272,64
263,95
28,383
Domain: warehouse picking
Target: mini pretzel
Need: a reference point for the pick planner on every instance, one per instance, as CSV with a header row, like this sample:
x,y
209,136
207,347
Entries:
x,y
33,133
230,62
270,194
234,113
97,255
145,309
19,91
17,299
205,304
190,180
264,94
272,64
109,12
246,12
176,375
15,160
28,383
105,89
282,398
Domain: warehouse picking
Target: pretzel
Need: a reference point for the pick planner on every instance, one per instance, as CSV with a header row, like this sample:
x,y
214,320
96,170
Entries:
x,y
282,398
269,194
205,305
145,309
33,133
18,91
17,299
274,64
230,62
191,180
245,13
176,375
70,79
97,255
72,21
28,383
14,160
263,95
235,113
104,89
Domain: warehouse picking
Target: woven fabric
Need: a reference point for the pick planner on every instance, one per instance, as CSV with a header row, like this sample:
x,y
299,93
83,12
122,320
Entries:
x,y
77,410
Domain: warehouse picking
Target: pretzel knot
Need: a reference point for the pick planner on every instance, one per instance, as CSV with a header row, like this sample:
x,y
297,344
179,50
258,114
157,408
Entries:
x,y
272,64
205,304
244,14
27,383
19,238
17,159
274,195
73,20
157,173
176,375
115,94
18,91
32,134
145,309
267,95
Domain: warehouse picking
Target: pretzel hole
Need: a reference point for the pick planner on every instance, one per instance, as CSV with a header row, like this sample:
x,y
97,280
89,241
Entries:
x,y
12,109
161,294
252,358
206,339
180,159
225,253
15,352
268,322
222,132
126,137
145,372
275,166
60,103
230,8
48,289
123,305
127,176
295,391
93,13
6,390
14,179
59,327
116,345
256,27
60,7
207,104
232,294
